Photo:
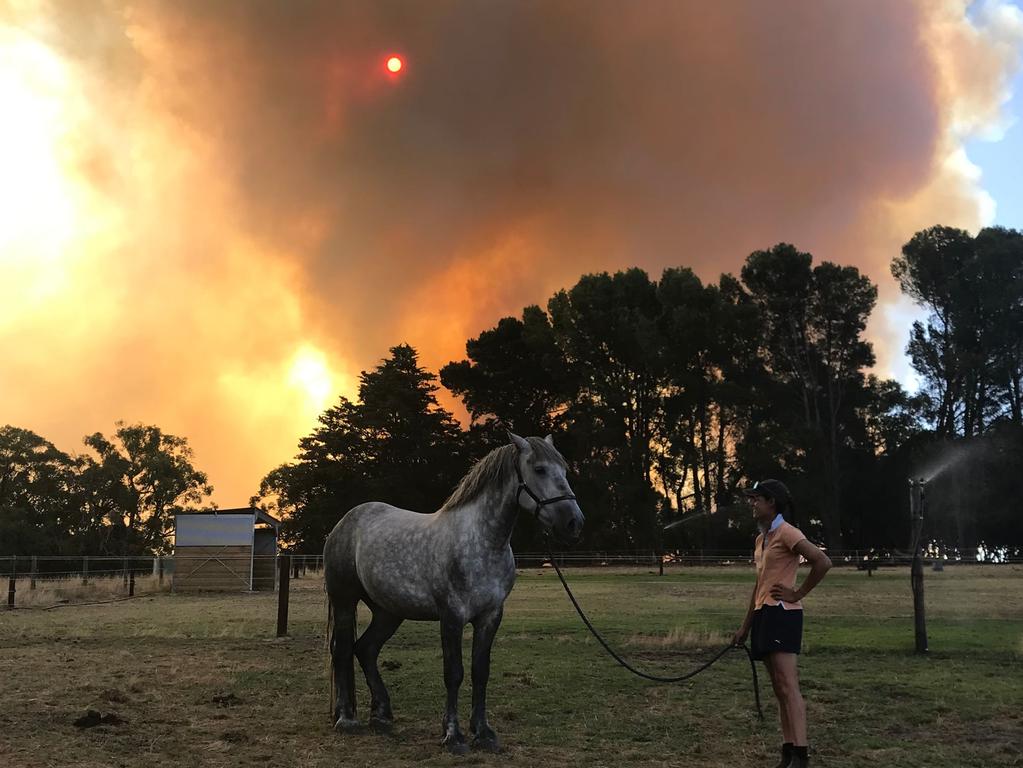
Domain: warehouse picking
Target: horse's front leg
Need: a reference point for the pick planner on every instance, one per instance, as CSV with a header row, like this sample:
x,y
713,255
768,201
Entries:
x,y
484,629
451,629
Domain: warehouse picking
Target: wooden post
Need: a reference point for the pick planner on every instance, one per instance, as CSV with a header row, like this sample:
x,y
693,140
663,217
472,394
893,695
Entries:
x,y
131,583
295,566
35,570
159,564
124,570
284,569
916,571
85,570
10,584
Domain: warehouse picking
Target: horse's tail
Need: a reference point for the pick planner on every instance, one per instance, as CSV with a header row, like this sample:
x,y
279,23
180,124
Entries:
x,y
330,655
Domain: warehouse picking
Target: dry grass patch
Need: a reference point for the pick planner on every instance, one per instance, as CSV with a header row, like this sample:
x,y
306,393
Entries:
x,y
680,637
53,592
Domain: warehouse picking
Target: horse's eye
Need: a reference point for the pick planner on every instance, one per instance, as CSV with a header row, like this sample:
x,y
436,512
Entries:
x,y
540,470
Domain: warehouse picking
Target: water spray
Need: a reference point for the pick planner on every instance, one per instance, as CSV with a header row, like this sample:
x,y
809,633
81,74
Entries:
x,y
670,526
683,520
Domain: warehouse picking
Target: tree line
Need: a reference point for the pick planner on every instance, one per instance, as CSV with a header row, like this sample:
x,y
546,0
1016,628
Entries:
x,y
119,498
667,396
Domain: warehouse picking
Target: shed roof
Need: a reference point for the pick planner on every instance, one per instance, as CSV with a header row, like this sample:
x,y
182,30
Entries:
x,y
259,515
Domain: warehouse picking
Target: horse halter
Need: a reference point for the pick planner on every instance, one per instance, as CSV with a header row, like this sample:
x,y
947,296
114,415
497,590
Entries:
x,y
540,503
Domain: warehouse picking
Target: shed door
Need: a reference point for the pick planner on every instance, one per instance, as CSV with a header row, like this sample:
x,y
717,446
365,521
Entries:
x,y
264,559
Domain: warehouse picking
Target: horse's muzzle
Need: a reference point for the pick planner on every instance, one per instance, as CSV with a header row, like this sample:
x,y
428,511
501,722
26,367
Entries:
x,y
572,529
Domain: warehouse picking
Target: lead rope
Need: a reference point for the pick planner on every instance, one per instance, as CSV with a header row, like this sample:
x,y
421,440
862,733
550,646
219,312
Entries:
x,y
640,673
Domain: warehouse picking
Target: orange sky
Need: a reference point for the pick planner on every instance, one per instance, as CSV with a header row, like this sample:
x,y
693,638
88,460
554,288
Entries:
x,y
214,215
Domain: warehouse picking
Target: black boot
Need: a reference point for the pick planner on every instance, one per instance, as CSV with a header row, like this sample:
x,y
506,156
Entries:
x,y
786,755
799,759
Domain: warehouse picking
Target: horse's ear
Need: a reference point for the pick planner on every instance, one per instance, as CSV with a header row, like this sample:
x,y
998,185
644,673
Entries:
x,y
521,443
549,440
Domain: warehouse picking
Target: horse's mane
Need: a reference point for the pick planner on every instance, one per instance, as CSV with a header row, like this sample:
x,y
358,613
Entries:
x,y
495,469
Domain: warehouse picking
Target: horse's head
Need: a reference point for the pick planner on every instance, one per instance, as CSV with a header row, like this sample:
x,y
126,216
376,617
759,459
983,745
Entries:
x,y
543,488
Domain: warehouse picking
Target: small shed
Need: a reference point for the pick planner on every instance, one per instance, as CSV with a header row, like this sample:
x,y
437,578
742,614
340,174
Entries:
x,y
225,550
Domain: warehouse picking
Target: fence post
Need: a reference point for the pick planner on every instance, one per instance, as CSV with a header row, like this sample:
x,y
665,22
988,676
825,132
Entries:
x,y
916,569
10,584
295,566
159,562
35,569
85,570
131,583
284,570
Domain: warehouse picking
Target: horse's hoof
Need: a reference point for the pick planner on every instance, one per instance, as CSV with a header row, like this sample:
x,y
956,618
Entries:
x,y
348,726
455,742
381,724
486,744
456,747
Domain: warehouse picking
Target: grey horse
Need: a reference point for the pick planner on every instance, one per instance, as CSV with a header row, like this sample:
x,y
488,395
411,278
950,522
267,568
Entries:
x,y
454,566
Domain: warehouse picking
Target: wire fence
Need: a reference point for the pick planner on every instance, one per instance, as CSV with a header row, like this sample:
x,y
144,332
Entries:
x,y
92,567
85,567
862,559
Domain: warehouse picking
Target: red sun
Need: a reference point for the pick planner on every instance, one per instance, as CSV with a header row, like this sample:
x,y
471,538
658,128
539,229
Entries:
x,y
395,64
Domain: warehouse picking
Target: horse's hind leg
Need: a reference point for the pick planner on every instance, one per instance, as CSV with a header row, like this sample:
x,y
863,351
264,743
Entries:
x,y
342,649
367,649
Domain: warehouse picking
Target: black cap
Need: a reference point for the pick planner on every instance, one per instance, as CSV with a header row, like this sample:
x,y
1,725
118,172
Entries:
x,y
770,489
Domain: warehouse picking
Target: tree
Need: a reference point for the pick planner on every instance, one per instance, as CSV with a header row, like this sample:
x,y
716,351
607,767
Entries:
x,y
891,416
135,484
36,483
814,319
587,370
515,375
607,327
1000,283
968,351
395,445
414,444
329,477
711,354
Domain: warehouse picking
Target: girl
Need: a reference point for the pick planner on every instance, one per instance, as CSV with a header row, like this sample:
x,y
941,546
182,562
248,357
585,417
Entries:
x,y
775,614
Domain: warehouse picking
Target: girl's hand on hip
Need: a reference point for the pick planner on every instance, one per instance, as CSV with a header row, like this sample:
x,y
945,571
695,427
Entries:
x,y
786,594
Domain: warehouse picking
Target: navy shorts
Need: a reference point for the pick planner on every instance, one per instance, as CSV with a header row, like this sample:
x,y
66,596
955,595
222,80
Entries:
x,y
776,629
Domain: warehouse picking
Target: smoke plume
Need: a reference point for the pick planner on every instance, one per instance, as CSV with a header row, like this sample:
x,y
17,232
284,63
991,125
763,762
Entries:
x,y
219,213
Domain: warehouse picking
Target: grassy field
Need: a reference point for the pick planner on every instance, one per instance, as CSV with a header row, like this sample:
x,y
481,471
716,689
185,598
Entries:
x,y
202,680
